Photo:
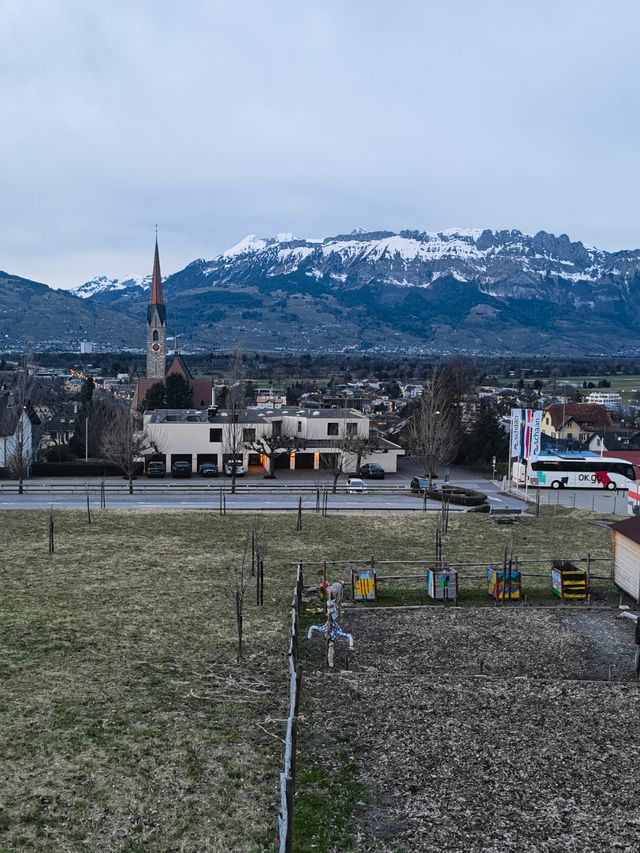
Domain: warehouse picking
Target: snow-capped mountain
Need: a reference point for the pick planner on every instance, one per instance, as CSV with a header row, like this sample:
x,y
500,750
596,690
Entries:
x,y
500,262
103,284
478,290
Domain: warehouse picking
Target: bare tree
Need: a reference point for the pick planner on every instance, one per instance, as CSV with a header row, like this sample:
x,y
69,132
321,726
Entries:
x,y
56,414
358,446
432,429
336,462
21,416
233,435
350,447
123,444
240,578
271,445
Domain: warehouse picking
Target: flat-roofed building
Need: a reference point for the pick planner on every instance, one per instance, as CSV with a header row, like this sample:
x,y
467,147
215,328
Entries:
x,y
199,437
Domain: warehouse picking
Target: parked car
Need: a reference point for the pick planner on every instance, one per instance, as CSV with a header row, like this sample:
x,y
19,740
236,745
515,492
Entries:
x,y
372,470
156,469
228,468
420,484
208,469
181,469
355,484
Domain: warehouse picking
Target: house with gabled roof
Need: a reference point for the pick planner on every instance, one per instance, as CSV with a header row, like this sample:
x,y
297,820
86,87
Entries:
x,y
575,421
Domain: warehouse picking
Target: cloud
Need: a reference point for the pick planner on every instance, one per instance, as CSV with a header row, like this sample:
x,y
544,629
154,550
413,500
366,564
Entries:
x,y
217,119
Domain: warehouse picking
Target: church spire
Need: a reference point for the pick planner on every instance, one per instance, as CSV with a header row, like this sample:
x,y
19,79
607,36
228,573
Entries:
x,y
156,324
156,279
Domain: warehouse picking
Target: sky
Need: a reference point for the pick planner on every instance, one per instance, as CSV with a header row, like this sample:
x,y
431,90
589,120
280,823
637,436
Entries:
x,y
215,119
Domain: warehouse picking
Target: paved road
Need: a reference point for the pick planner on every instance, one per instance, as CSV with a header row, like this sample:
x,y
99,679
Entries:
x,y
256,495
247,502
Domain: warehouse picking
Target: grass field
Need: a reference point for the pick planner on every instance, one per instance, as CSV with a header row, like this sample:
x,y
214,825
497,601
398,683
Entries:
x,y
125,721
627,386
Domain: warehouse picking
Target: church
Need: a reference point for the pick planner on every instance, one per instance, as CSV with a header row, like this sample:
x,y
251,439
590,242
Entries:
x,y
157,371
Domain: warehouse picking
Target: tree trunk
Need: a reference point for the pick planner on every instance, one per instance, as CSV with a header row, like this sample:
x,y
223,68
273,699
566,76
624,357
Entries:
x,y
335,482
130,482
239,623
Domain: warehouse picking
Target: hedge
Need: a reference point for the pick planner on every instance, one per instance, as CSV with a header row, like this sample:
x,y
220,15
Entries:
x,y
459,496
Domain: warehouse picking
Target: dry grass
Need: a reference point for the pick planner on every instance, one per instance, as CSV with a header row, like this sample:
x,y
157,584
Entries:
x,y
125,723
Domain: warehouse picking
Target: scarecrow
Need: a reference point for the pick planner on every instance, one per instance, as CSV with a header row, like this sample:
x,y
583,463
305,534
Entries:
x,y
331,594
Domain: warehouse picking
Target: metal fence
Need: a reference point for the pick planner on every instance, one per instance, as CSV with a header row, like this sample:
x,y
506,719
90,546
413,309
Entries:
x,y
288,775
121,486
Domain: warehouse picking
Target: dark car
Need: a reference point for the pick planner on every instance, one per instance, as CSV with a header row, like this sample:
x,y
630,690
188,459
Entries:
x,y
156,469
372,471
181,469
208,469
420,484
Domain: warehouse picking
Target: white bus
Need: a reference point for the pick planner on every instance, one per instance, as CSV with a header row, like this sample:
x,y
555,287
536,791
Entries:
x,y
587,471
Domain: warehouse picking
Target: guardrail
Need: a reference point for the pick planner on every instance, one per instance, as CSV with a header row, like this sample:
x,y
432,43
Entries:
x,y
288,776
10,487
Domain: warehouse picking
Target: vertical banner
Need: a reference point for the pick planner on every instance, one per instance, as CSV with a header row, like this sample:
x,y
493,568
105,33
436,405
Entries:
x,y
536,431
526,426
516,422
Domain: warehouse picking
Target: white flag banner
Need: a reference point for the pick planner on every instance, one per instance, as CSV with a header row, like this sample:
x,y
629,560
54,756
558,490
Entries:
x,y
536,431
516,424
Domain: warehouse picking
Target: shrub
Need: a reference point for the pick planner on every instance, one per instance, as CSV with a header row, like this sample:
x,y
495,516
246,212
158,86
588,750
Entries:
x,y
458,496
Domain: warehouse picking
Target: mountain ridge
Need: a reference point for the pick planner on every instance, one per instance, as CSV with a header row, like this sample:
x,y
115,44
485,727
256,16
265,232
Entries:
x,y
458,290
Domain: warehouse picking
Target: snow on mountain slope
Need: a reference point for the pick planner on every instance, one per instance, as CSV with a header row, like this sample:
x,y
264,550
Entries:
x,y
504,264
501,263
101,284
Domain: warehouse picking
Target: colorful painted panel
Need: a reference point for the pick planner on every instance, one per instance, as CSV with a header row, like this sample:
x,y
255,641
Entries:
x,y
504,584
569,582
364,584
442,585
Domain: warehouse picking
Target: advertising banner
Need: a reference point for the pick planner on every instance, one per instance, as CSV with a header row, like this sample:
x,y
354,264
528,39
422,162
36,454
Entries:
x,y
516,420
536,431
526,427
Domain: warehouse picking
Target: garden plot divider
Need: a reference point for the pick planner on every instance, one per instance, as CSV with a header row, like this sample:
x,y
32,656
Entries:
x,y
471,574
288,776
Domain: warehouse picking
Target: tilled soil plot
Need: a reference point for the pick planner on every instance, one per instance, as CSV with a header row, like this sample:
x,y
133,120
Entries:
x,y
553,642
484,764
538,752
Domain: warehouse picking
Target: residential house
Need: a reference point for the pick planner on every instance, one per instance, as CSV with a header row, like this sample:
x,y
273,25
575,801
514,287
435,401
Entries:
x,y
575,422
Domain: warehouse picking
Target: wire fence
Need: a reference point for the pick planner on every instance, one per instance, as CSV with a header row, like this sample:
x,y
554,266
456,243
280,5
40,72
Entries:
x,y
288,775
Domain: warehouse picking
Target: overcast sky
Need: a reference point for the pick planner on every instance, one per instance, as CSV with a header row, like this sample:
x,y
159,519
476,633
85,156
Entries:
x,y
219,119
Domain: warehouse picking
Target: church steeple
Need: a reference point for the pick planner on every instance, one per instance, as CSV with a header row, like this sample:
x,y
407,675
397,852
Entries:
x,y
156,324
156,280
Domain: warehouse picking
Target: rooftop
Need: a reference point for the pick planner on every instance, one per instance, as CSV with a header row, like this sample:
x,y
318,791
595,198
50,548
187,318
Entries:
x,y
248,416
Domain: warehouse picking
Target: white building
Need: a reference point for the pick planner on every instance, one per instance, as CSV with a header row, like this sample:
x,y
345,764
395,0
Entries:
x,y
271,398
608,399
199,437
86,347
